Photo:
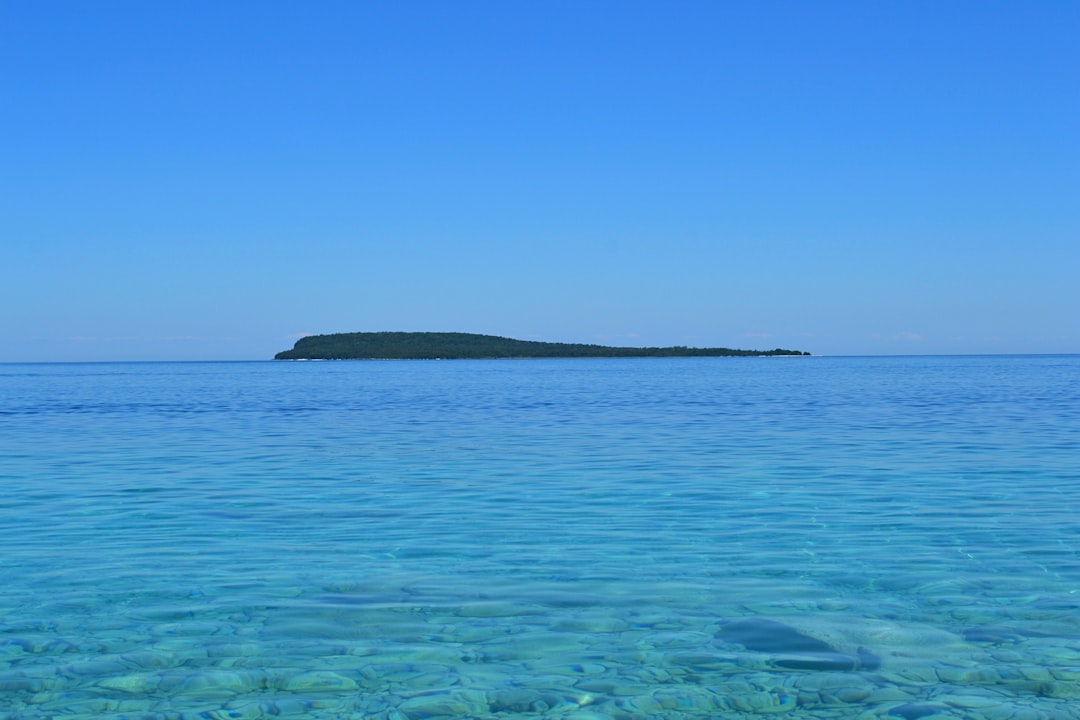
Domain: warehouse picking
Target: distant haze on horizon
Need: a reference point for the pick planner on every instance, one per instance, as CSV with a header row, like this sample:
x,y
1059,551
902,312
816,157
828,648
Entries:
x,y
205,181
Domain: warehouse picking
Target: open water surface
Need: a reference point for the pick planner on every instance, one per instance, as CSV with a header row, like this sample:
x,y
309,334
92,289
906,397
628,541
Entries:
x,y
890,538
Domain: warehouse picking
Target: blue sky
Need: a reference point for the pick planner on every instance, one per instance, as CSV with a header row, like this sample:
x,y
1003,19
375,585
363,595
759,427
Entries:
x,y
205,180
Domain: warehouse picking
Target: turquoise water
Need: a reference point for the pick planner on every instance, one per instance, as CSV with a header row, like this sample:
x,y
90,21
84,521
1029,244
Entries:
x,y
658,538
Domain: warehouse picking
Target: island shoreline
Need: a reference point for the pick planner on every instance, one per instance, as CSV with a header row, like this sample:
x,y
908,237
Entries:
x,y
472,346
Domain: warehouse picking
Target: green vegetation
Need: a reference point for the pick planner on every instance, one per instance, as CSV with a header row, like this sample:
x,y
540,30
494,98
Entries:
x,y
435,345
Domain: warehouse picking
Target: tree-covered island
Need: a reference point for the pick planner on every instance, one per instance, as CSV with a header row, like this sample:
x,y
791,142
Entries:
x,y
455,346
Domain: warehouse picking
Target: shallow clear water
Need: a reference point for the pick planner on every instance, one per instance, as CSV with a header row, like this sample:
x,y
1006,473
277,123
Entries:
x,y
542,538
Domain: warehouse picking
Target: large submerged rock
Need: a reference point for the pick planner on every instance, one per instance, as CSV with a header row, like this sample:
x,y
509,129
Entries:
x,y
793,650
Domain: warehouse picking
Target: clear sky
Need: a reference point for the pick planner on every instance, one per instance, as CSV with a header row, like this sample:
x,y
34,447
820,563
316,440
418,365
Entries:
x,y
211,180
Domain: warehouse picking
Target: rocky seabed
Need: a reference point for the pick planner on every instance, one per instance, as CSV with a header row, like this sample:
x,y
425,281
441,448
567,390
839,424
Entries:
x,y
498,662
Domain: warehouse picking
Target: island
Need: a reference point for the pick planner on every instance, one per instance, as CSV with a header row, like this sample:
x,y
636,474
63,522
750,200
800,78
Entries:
x,y
461,346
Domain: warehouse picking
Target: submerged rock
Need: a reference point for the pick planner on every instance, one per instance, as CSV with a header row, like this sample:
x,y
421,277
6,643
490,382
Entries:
x,y
792,649
914,711
991,635
441,705
762,702
318,681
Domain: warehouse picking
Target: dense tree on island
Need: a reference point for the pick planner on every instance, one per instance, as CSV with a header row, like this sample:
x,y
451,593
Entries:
x,y
453,346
